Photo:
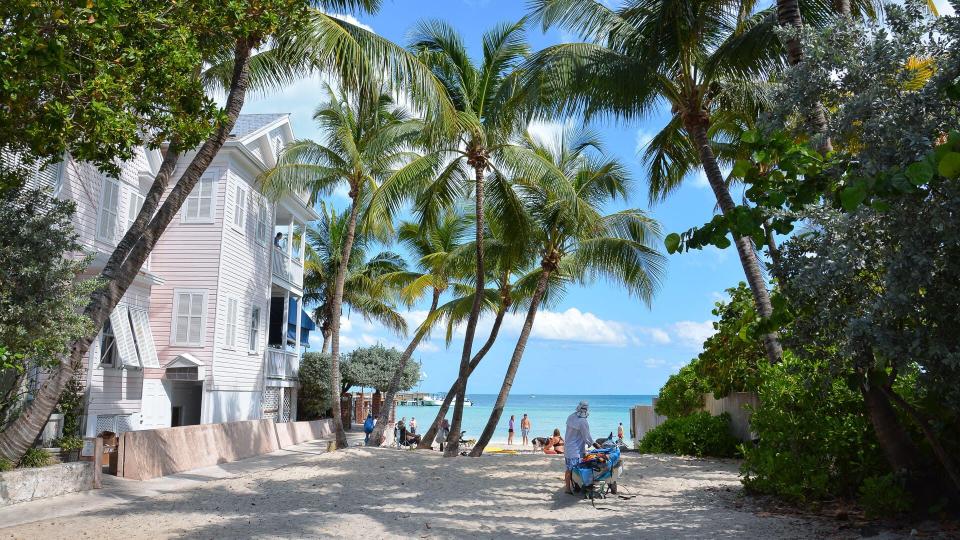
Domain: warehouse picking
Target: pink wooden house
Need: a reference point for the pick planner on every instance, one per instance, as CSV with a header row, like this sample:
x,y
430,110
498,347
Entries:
x,y
212,329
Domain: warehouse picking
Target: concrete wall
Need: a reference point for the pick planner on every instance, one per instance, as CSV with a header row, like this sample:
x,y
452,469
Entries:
x,y
643,418
159,452
23,485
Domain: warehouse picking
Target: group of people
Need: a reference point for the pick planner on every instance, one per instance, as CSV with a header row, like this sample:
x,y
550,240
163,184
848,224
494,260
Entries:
x,y
524,429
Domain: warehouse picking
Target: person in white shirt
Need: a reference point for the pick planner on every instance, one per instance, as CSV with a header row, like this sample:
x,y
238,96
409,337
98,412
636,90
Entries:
x,y
577,439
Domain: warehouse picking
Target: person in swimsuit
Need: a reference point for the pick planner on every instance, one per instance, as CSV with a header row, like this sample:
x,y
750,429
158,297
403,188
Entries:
x,y
510,432
554,444
525,429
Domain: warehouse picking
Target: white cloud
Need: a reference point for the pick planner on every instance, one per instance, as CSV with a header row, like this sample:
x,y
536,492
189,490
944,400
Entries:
x,y
547,131
643,139
692,333
658,335
944,7
654,362
353,20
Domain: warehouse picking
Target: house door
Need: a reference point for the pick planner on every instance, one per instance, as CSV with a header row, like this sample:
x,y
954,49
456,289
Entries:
x,y
176,416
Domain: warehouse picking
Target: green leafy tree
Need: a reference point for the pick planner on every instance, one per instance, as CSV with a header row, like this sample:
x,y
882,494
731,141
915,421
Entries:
x,y
702,57
683,392
366,138
40,293
363,291
374,367
575,240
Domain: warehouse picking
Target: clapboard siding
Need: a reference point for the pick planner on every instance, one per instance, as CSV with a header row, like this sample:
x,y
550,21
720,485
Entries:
x,y
244,275
188,257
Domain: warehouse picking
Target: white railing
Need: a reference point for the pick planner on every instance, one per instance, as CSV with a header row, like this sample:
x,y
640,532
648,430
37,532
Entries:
x,y
288,270
282,364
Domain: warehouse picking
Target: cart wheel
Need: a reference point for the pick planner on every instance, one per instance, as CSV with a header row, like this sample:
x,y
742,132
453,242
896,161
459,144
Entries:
x,y
613,488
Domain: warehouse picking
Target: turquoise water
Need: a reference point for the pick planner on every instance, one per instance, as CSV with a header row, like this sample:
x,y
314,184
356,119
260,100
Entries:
x,y
546,412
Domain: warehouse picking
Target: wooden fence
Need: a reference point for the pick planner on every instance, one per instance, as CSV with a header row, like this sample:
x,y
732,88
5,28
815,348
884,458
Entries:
x,y
738,404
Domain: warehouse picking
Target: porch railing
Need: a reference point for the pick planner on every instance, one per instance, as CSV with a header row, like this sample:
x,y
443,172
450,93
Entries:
x,y
282,364
289,270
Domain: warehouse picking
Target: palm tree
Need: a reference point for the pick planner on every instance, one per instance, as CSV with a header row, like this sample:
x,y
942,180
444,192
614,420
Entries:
x,y
489,114
366,137
435,249
575,240
349,53
362,289
701,56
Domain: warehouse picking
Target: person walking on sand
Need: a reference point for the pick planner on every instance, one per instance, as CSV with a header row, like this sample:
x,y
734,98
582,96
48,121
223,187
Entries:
x,y
510,432
443,432
525,429
577,439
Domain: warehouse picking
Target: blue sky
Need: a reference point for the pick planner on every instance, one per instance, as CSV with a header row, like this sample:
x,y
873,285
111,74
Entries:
x,y
598,340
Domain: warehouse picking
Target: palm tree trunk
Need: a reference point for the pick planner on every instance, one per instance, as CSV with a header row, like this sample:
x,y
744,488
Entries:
x,y
335,308
745,247
453,439
326,341
20,434
426,442
514,365
388,399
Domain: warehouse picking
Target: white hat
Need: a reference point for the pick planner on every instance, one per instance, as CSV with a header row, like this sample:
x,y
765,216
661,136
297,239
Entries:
x,y
583,409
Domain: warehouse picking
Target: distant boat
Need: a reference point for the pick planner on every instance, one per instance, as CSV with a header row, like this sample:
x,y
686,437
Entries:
x,y
425,400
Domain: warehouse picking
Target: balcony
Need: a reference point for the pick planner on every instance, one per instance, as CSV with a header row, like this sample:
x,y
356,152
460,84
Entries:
x,y
282,364
287,271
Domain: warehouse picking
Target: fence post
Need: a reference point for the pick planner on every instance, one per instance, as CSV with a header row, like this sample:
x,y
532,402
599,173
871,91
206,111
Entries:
x,y
98,462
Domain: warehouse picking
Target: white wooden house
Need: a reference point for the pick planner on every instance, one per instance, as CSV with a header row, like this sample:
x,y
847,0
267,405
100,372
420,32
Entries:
x,y
212,328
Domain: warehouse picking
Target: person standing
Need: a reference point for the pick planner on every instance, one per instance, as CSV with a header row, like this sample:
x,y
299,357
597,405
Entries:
x,y
620,432
525,429
510,432
413,426
577,438
443,432
368,429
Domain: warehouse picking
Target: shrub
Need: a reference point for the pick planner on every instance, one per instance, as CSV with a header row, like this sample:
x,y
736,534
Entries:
x,y
5,465
35,457
698,434
682,394
814,438
884,495
69,443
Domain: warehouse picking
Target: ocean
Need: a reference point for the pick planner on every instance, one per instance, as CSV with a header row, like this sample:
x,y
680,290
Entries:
x,y
546,412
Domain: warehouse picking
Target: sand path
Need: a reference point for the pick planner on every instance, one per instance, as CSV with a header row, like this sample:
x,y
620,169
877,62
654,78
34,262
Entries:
x,y
382,493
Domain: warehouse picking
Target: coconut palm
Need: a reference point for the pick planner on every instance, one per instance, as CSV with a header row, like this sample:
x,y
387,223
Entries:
x,y
435,249
700,56
489,115
576,242
365,139
363,291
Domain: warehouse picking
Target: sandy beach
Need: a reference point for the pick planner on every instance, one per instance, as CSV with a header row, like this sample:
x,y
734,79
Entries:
x,y
386,493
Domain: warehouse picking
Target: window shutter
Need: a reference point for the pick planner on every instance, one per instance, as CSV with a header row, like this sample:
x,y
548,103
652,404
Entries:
x,y
141,330
231,322
126,350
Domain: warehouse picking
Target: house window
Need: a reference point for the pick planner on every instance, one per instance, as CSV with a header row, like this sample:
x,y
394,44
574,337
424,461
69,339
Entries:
x,y
108,346
262,225
107,219
254,329
199,205
231,323
133,209
239,198
190,309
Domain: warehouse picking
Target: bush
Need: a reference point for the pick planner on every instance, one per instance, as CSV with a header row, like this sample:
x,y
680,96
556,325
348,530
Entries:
x,y
814,438
698,434
35,457
682,394
884,496
5,465
69,443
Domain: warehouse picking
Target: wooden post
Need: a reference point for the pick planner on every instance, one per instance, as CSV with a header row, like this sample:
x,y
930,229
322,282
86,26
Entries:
x,y
98,462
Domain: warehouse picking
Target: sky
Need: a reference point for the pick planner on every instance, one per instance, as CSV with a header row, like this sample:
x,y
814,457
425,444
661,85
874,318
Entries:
x,y
597,340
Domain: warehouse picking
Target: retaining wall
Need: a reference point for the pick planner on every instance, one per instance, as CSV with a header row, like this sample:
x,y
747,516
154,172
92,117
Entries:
x,y
739,404
22,485
159,452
